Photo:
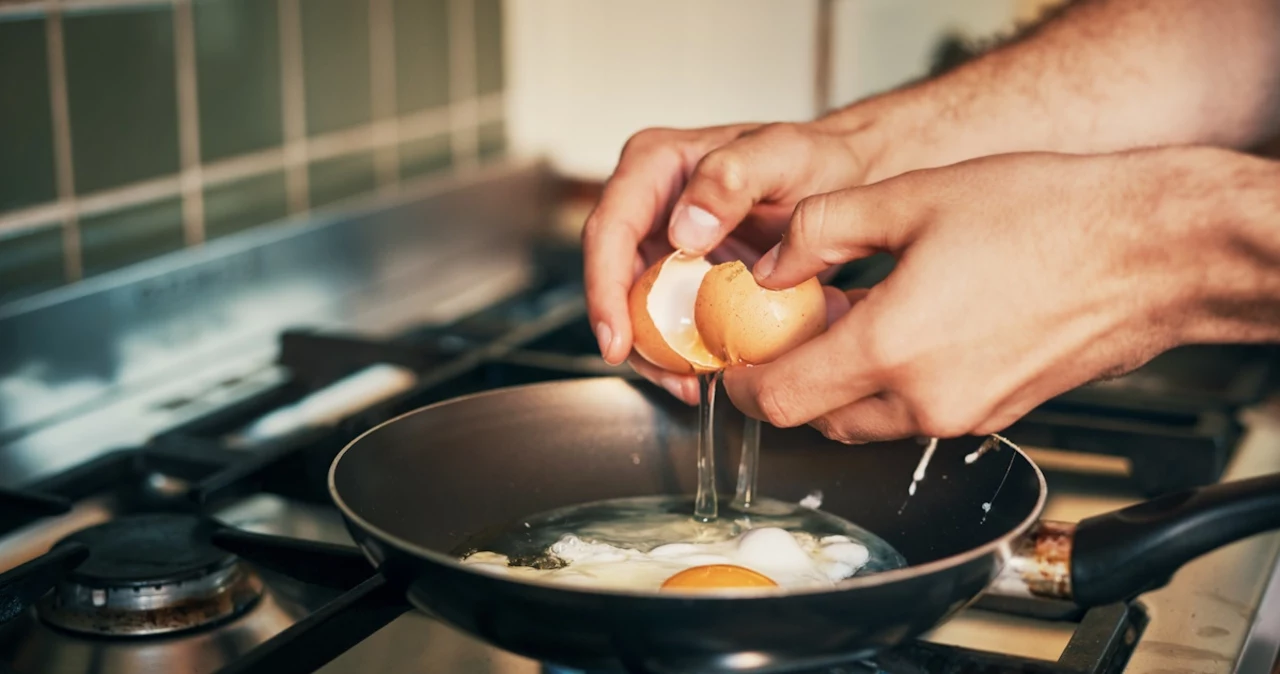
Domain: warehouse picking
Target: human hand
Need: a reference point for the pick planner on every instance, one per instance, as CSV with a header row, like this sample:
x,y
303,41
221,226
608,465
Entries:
x,y
1019,277
727,192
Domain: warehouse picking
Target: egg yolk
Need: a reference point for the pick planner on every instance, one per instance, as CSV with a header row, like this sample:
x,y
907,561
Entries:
x,y
716,576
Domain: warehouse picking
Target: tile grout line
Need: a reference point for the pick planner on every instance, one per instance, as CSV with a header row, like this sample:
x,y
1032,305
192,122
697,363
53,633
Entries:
x,y
26,9
112,4
133,194
462,83
42,7
294,106
382,82
192,181
51,213
342,142
73,259
490,108
242,166
425,124
417,126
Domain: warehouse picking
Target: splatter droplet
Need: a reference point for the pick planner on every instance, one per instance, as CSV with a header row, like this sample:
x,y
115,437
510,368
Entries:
x,y
813,501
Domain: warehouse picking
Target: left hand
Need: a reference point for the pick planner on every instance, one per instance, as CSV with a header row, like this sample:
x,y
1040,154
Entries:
x,y
1019,277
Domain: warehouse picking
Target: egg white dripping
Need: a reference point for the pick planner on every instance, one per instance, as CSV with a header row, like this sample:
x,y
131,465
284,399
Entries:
x,y
991,443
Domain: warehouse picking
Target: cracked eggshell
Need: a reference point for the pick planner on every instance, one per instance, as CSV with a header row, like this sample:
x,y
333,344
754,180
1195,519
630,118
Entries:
x,y
661,304
743,323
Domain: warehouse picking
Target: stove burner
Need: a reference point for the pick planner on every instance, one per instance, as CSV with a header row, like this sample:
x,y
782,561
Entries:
x,y
150,574
147,550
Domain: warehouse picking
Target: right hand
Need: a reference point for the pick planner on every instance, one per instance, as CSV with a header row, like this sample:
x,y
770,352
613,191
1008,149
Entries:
x,y
726,192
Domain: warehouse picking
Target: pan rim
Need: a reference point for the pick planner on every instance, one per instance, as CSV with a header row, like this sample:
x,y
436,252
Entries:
x,y
874,580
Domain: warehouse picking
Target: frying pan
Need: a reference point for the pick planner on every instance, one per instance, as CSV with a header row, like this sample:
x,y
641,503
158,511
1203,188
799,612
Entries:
x,y
415,488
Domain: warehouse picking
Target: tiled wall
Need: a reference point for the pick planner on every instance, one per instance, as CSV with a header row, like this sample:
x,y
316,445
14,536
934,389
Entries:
x,y
132,128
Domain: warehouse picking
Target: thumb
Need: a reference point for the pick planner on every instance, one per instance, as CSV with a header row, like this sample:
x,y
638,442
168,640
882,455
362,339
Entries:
x,y
830,229
767,164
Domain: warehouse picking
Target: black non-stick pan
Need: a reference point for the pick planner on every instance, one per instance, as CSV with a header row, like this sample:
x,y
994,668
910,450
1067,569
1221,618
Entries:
x,y
416,488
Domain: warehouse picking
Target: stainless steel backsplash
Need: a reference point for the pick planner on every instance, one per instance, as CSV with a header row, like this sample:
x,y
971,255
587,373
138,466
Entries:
x,y
65,352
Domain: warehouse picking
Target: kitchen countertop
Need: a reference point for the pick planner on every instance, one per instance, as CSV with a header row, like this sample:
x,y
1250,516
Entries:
x,y
1200,620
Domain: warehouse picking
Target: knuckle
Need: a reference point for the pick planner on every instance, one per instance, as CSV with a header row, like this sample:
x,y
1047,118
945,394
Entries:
x,y
724,169
835,430
944,417
1002,419
775,404
780,131
989,427
809,227
590,233
808,220
641,141
883,350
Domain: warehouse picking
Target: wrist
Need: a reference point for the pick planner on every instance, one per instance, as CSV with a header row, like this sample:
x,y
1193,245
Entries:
x,y
1228,205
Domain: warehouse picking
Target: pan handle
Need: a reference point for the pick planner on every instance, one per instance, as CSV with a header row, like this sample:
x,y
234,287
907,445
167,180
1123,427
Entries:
x,y
1125,553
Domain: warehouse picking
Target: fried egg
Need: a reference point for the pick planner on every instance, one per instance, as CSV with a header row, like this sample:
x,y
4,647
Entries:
x,y
758,558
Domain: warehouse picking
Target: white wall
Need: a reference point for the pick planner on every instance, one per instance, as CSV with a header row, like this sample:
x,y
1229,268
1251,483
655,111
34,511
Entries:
x,y
879,44
585,74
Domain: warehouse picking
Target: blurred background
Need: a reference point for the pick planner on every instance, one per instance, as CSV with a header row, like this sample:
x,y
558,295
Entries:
x,y
133,128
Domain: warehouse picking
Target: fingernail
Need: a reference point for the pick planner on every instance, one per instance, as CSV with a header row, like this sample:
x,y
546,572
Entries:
x,y
672,385
604,335
766,264
694,229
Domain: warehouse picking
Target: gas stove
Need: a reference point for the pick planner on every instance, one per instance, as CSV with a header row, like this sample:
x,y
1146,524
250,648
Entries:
x,y
179,521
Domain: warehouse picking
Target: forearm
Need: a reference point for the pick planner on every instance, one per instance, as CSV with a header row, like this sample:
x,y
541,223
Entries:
x,y
1103,75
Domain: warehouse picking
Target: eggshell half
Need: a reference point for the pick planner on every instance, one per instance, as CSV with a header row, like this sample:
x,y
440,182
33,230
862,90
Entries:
x,y
661,304
743,323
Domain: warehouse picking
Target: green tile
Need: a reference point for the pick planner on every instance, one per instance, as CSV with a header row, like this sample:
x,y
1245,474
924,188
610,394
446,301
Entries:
x,y
30,262
245,203
120,238
492,139
340,178
238,76
26,123
121,90
422,54
335,58
428,155
489,70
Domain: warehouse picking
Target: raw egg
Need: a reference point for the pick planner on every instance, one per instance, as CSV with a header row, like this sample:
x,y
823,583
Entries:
x,y
716,577
757,559
694,317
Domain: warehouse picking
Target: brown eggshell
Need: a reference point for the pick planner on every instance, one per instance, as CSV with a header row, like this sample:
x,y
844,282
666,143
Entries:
x,y
649,342
743,323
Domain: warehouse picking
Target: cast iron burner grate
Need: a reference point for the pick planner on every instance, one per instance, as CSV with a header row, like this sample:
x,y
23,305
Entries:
x,y
147,550
138,575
